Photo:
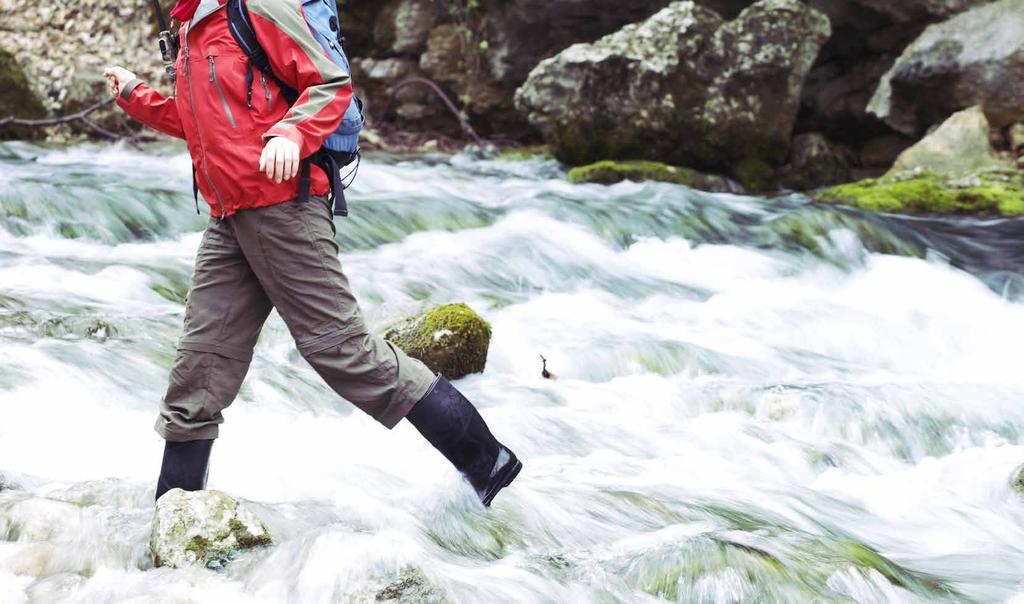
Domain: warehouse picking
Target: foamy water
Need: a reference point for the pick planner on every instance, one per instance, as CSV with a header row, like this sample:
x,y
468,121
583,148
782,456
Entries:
x,y
756,400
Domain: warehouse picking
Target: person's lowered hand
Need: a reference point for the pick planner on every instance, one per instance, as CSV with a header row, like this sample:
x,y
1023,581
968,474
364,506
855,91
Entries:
x,y
280,159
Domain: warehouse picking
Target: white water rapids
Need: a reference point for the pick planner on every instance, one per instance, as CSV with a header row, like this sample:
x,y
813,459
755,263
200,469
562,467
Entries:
x,y
757,400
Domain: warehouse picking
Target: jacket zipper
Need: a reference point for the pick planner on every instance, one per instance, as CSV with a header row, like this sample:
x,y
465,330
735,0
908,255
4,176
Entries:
x,y
220,91
199,131
266,90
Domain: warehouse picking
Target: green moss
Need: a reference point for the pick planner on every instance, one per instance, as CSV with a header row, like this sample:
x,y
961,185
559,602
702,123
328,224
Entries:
x,y
609,172
17,98
991,193
199,546
244,538
755,175
450,339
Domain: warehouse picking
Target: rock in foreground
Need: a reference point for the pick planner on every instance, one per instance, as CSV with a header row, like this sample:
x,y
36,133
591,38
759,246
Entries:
x,y
451,339
203,528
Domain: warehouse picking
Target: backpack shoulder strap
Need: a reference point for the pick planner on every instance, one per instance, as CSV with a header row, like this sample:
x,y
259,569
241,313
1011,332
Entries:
x,y
242,31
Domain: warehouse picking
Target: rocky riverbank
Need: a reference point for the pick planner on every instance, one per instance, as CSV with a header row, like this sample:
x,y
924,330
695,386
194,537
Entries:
x,y
773,94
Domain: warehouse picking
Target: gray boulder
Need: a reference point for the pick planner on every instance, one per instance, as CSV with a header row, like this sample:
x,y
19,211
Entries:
x,y
402,26
684,87
959,146
976,57
203,528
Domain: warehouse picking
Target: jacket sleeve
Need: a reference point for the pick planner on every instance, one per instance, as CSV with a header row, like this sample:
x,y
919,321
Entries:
x,y
325,90
151,108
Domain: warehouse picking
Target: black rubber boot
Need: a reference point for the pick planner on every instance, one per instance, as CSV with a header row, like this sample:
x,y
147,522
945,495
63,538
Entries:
x,y
452,424
185,466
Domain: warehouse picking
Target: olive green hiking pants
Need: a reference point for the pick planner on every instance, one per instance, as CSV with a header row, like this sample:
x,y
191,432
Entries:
x,y
282,256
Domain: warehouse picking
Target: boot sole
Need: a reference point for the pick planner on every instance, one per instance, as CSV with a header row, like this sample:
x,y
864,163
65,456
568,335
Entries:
x,y
507,476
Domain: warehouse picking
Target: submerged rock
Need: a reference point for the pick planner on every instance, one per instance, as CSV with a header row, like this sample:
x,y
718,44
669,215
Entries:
x,y
203,528
451,339
610,172
410,586
684,87
976,57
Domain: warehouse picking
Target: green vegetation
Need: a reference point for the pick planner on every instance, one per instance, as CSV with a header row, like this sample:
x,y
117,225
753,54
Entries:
x,y
525,153
986,193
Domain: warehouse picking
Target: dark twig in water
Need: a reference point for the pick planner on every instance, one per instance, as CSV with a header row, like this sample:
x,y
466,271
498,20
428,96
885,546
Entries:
x,y
466,127
544,370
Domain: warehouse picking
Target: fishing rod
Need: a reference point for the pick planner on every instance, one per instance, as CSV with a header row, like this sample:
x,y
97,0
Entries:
x,y
168,42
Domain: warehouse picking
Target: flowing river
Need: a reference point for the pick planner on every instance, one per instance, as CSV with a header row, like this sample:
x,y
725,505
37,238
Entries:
x,y
756,400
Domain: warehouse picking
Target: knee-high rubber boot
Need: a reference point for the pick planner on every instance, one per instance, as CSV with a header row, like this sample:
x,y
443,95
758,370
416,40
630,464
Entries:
x,y
185,466
452,424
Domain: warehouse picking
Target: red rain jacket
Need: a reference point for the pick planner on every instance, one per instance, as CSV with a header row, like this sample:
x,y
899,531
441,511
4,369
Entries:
x,y
225,129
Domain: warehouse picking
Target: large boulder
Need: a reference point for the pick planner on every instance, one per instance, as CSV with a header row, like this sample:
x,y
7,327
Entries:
x,y
451,340
402,26
683,87
976,57
203,528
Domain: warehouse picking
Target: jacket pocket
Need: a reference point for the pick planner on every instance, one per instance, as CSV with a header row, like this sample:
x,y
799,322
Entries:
x,y
220,91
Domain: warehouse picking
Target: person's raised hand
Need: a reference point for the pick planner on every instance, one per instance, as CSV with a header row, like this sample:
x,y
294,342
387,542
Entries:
x,y
280,159
117,77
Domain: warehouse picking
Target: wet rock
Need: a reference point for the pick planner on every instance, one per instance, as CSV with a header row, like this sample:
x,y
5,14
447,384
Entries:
x,y
410,586
976,57
1017,480
451,339
960,145
683,87
16,97
610,172
815,161
38,519
203,528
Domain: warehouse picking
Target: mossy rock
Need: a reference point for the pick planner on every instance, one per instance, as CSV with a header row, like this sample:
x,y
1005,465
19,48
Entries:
x,y
451,340
17,98
985,193
609,172
203,528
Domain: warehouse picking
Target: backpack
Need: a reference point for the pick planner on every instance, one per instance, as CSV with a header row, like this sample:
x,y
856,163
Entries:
x,y
342,147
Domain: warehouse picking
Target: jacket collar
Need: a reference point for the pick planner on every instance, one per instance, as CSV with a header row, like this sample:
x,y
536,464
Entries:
x,y
205,9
